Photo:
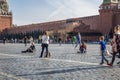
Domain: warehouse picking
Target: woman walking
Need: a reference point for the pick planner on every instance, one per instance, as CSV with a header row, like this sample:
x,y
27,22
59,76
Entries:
x,y
116,40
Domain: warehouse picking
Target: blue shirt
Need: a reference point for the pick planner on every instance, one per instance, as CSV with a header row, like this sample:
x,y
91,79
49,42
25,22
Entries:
x,y
103,45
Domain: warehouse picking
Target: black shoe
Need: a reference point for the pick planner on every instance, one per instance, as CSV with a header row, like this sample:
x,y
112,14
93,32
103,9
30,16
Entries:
x,y
119,56
107,62
111,53
46,56
23,51
118,62
101,63
40,56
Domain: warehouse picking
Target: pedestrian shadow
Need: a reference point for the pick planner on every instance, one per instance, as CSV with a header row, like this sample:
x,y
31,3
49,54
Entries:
x,y
67,70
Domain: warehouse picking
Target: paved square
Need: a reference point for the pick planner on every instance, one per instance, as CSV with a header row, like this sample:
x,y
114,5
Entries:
x,y
64,64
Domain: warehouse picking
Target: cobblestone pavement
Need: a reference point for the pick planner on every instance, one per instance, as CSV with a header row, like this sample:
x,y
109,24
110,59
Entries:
x,y
64,64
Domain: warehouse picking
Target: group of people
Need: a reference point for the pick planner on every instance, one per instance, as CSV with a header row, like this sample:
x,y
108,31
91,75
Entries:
x,y
82,45
45,42
115,43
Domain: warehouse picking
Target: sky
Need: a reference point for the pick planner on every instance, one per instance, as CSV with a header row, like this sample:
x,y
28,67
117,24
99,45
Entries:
x,y
39,11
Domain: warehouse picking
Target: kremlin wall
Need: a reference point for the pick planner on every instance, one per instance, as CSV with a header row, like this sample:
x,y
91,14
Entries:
x,y
90,27
5,16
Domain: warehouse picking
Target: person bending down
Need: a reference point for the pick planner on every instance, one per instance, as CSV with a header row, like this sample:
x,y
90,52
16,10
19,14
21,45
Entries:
x,y
83,48
30,49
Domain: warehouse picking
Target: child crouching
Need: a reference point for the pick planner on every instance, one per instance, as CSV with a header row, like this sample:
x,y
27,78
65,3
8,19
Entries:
x,y
83,48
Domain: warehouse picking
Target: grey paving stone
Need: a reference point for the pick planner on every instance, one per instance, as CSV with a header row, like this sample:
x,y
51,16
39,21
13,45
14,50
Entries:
x,y
64,64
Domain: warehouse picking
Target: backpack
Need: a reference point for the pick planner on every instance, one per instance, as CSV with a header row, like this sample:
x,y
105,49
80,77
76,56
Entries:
x,y
118,41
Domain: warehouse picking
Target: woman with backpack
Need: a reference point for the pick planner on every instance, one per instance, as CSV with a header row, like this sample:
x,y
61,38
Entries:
x,y
116,39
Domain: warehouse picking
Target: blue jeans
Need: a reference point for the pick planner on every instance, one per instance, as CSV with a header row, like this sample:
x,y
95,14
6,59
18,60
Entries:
x,y
103,57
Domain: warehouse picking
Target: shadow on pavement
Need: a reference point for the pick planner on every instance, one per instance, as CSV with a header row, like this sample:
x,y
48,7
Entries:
x,y
67,70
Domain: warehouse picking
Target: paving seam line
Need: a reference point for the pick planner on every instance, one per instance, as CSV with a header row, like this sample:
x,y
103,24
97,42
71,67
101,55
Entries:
x,y
12,76
63,60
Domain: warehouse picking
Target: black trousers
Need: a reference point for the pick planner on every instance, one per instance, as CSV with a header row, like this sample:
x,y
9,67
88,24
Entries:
x,y
114,55
43,47
28,50
119,53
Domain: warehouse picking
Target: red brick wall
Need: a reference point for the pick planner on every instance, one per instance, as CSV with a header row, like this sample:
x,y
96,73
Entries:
x,y
106,21
93,21
117,19
102,23
40,26
5,22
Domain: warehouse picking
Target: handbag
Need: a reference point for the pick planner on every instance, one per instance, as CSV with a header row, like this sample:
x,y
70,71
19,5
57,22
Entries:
x,y
48,54
107,53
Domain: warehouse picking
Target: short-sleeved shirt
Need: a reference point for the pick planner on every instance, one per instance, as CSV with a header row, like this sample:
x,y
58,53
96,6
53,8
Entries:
x,y
45,39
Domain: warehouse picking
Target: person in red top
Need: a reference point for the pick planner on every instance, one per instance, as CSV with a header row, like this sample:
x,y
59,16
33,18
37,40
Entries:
x,y
83,47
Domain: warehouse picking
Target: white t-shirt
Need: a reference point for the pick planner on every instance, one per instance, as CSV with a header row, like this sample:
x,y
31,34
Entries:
x,y
45,39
